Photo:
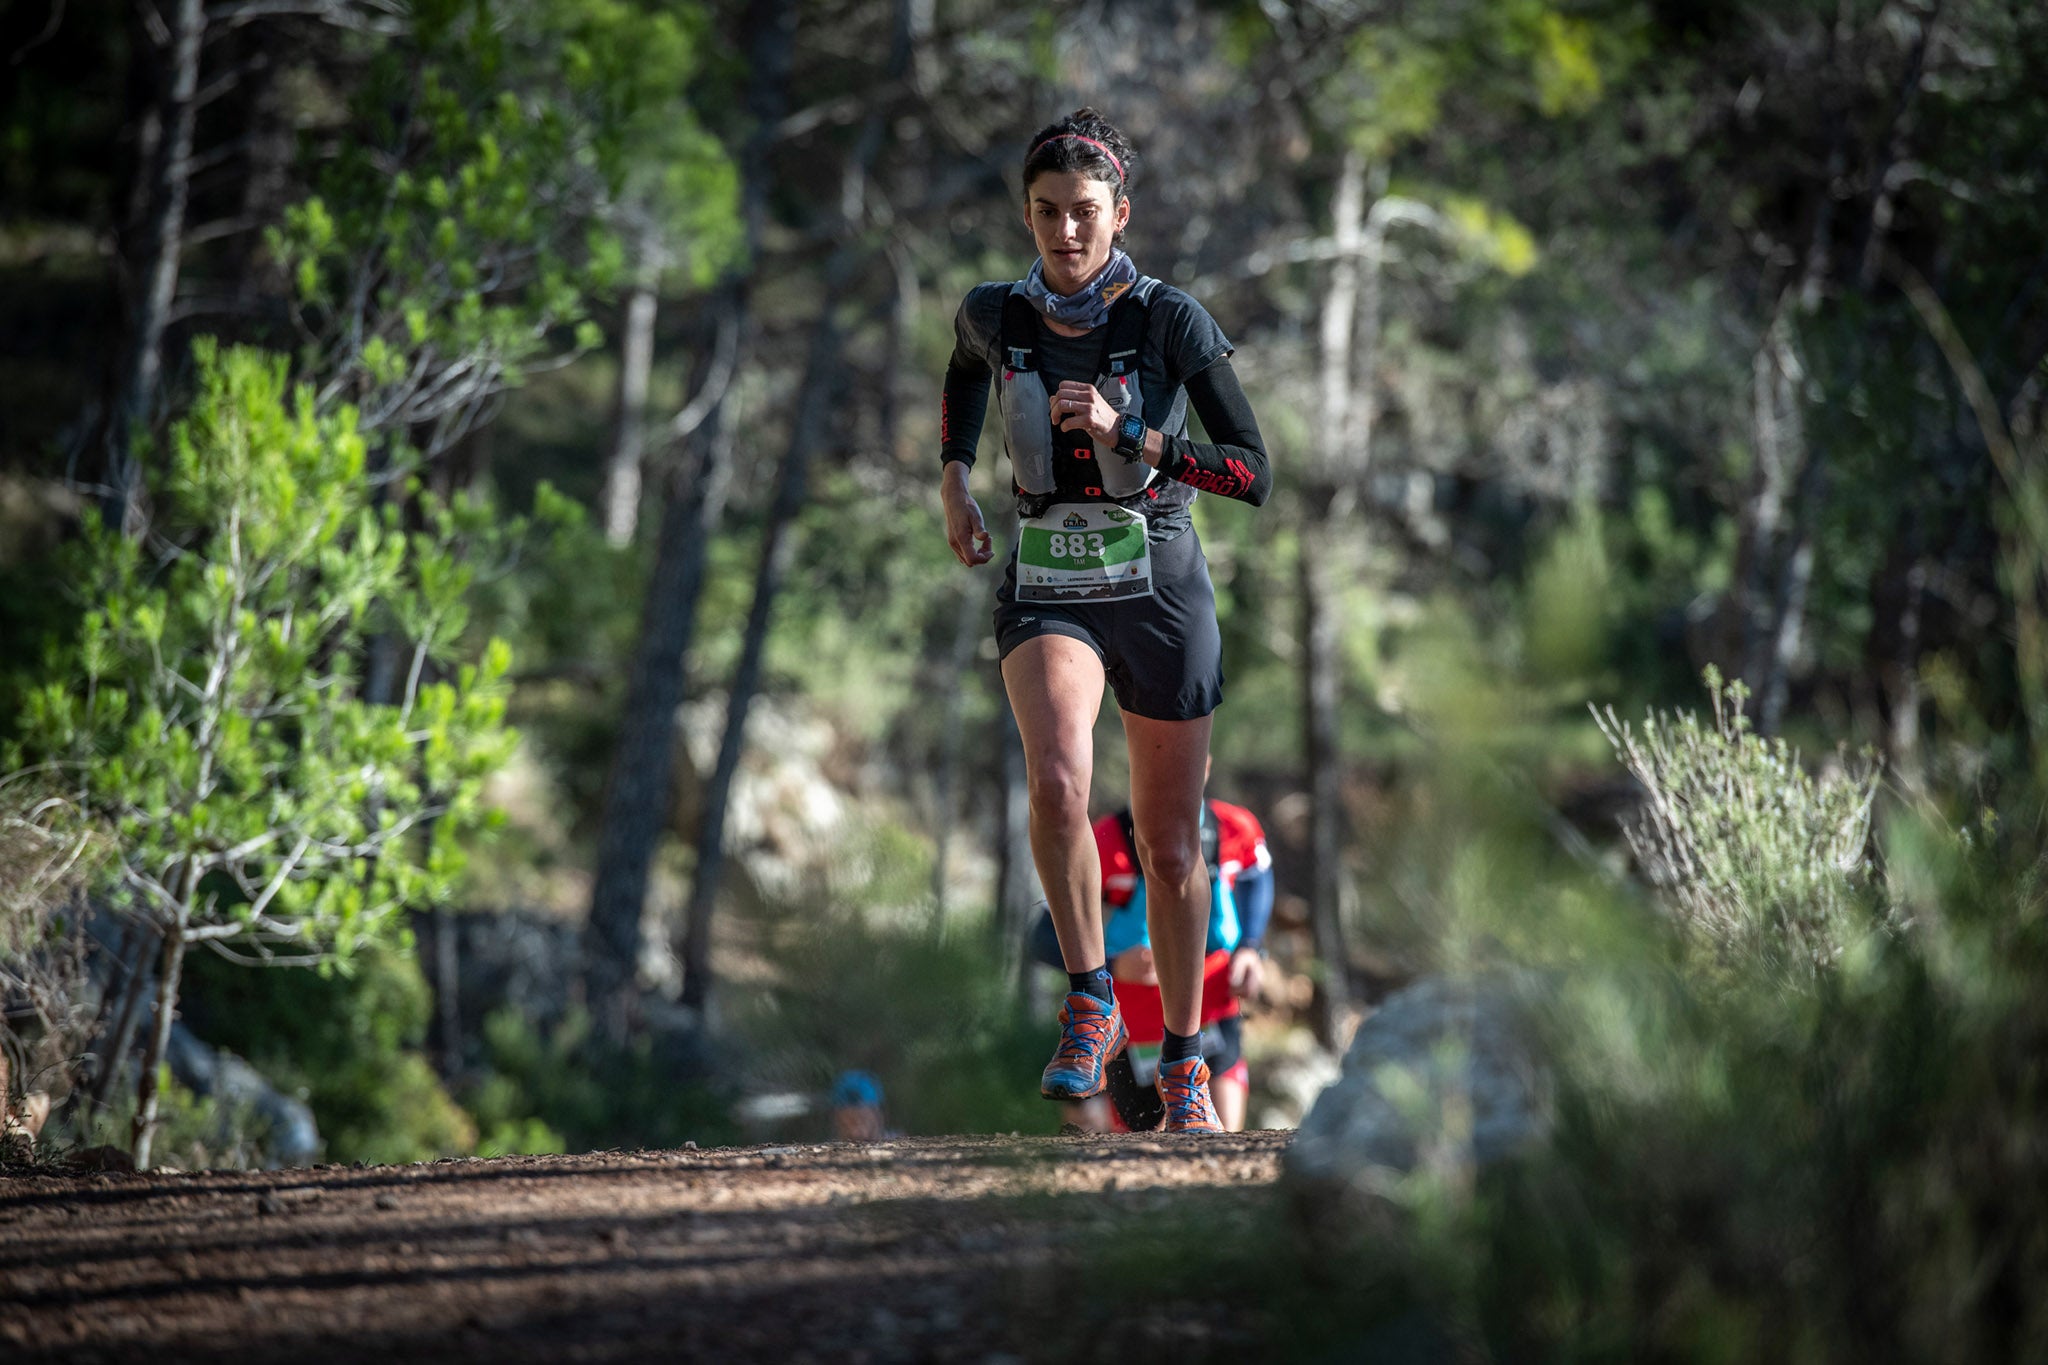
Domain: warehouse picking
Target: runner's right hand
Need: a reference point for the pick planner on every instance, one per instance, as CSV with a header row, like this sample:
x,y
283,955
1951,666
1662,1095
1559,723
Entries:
x,y
965,530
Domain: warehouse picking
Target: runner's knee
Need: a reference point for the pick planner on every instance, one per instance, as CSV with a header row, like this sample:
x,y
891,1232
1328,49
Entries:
x,y
1059,792
1172,859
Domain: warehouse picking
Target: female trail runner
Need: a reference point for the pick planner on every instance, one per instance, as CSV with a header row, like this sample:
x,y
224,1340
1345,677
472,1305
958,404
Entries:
x,y
1096,367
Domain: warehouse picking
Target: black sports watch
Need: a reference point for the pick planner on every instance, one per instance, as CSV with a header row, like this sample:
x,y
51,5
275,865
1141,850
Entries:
x,y
1130,437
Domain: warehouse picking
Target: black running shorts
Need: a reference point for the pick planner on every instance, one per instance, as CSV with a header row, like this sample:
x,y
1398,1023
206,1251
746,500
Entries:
x,y
1163,653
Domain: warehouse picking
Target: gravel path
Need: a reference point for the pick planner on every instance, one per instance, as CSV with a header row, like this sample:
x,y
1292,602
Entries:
x,y
913,1249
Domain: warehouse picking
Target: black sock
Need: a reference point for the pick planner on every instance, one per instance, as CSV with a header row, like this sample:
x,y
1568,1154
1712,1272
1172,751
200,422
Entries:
x,y
1179,1047
1094,982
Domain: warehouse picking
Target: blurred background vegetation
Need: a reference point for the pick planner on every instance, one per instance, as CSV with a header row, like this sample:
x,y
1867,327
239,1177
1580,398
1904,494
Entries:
x,y
1599,343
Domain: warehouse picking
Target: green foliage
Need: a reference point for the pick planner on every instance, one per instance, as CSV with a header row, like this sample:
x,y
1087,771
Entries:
x,y
447,250
209,713
1391,90
47,854
349,1045
1844,1168
1762,866
1750,1156
563,1089
1570,602
194,1133
932,1017
1488,234
864,666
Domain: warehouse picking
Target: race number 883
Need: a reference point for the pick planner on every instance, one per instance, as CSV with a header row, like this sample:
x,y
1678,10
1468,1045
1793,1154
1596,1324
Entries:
x,y
1077,545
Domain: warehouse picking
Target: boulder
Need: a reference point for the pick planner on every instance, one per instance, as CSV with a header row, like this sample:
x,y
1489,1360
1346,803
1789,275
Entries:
x,y
1442,1076
287,1135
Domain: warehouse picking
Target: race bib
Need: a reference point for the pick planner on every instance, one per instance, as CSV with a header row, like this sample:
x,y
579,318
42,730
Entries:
x,y
1083,552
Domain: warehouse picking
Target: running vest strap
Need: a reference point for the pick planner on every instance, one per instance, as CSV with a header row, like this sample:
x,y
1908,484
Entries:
x,y
1027,423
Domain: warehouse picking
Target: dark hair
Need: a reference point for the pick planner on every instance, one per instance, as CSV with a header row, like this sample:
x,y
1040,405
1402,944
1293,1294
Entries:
x,y
1087,142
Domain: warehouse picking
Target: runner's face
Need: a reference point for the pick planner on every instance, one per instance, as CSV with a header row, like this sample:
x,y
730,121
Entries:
x,y
1074,218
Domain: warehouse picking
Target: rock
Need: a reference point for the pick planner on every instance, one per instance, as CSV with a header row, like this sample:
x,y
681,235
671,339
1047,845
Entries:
x,y
287,1136
1294,1077
1442,1076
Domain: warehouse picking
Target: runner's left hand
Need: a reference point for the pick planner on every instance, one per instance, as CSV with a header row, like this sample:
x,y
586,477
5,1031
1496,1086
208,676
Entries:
x,y
1079,407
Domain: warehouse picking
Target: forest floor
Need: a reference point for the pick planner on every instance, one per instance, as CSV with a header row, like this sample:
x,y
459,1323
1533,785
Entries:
x,y
978,1249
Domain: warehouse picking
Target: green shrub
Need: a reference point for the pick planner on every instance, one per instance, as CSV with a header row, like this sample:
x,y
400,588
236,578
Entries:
x,y
47,853
565,1089
348,1044
213,715
934,1018
1763,868
193,1133
1845,1172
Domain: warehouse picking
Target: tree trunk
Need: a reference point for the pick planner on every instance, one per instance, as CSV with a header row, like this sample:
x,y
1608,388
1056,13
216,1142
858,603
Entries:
x,y
169,975
1017,885
1788,608
621,497
968,630
814,391
1340,466
1775,422
169,178
128,999
1891,152
1898,594
447,1000
778,545
902,318
637,791
1336,328
1323,765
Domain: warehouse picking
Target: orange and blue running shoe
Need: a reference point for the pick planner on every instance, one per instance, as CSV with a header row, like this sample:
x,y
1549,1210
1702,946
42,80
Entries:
x,y
1091,1032
1184,1088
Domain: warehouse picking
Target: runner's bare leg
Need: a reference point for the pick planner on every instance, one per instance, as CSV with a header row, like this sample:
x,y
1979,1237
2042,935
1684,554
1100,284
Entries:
x,y
1230,1099
1055,685
1169,765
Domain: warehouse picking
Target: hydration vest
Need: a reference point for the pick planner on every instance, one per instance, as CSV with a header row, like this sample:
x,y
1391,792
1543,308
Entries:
x,y
1027,424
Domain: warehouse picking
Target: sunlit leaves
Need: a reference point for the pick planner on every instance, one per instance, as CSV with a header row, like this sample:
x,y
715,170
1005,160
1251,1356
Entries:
x,y
1566,70
1492,235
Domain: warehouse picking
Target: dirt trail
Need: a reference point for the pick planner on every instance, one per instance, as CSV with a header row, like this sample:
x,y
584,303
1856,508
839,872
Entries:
x,y
914,1249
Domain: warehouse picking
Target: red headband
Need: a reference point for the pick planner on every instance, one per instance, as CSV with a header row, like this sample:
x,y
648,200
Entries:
x,y
1092,143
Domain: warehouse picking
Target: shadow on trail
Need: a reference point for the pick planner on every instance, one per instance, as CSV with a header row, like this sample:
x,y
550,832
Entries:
x,y
902,1295
130,1187
926,1276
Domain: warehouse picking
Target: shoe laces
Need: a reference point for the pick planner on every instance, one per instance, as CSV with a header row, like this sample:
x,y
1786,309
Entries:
x,y
1085,1035
1186,1101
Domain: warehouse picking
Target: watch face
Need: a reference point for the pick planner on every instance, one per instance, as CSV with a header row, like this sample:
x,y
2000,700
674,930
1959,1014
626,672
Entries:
x,y
1131,431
